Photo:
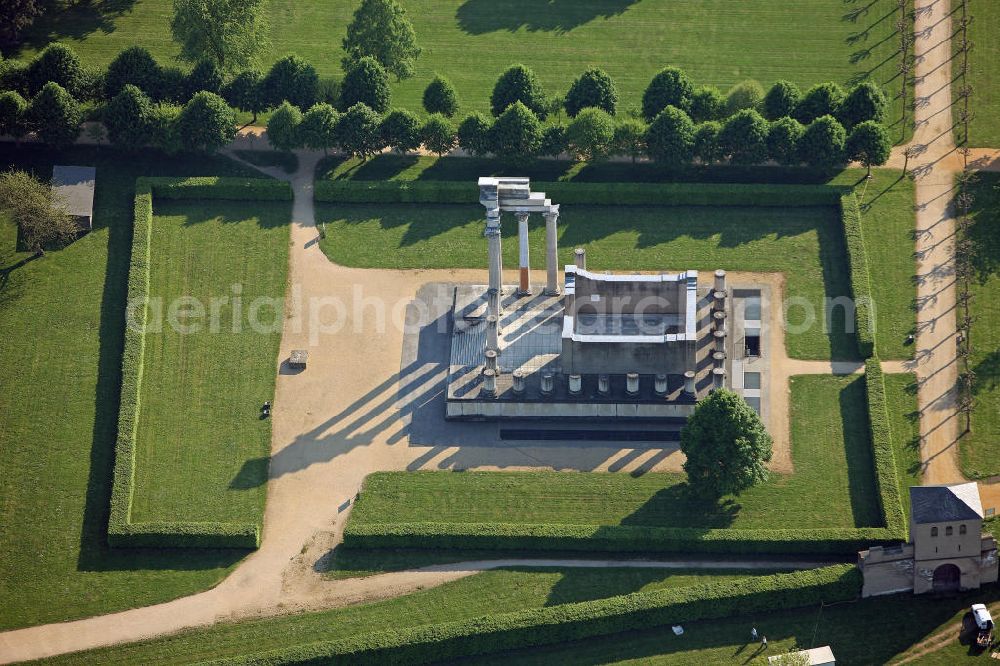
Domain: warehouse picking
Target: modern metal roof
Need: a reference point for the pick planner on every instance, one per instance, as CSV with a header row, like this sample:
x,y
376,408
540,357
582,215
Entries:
x,y
945,503
74,188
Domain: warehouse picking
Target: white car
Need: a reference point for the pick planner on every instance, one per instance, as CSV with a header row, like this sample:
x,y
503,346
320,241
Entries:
x,y
982,616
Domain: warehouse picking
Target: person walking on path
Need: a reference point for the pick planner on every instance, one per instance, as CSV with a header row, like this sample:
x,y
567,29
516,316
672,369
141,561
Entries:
x,y
763,643
753,634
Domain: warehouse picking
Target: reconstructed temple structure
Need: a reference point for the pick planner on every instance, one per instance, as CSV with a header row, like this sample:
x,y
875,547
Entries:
x,y
638,346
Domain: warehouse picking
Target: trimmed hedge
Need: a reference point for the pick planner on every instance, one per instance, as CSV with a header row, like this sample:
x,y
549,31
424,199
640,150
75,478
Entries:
x,y
617,194
885,463
122,532
612,538
861,288
570,622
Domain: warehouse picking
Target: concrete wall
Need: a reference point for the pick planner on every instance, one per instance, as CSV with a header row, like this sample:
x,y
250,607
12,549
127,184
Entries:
x,y
505,409
886,570
624,297
923,578
623,357
944,545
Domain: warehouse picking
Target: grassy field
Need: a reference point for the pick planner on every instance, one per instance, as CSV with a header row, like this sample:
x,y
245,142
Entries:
x,y
804,243
487,592
901,400
835,471
980,449
984,130
716,41
870,631
201,448
61,322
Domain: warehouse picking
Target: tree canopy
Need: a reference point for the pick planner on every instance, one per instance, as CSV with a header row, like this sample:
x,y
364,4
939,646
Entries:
x,y
518,84
707,103
474,133
359,131
822,143
706,141
206,123
59,64
283,127
400,130
870,144
670,87
366,83
56,116
440,97
593,88
13,114
783,140
232,34
864,102
318,129
438,134
42,222
821,100
245,92
747,94
630,138
291,79
129,118
781,100
744,137
591,133
516,136
670,138
381,30
725,445
134,65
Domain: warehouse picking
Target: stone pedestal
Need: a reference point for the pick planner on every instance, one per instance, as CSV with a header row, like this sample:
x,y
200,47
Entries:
x,y
603,384
518,378
689,386
575,385
660,385
489,383
632,383
548,383
551,252
524,286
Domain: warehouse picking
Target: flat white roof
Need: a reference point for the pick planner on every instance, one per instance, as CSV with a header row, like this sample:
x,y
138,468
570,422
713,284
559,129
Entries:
x,y
817,656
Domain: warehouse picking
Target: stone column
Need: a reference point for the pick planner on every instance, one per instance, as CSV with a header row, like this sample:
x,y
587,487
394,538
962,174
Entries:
x,y
524,287
493,333
718,378
660,384
518,376
495,261
603,384
689,386
551,252
548,383
632,383
489,383
580,258
719,283
575,384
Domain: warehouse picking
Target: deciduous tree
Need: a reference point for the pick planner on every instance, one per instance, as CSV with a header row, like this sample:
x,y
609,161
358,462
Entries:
x,y
400,130
630,138
245,92
318,129
206,123
747,94
518,84
283,127
590,135
59,64
440,97
781,100
821,100
366,83
42,222
725,445
205,76
706,141
707,103
438,134
474,133
232,34
822,142
870,144
130,119
516,135
670,138
593,88
553,141
783,140
670,87
55,116
133,65
381,30
359,131
13,115
864,102
744,137
291,79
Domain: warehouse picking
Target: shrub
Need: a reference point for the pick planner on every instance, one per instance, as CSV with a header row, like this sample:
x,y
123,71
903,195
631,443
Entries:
x,y
630,138
129,118
744,138
670,87
438,134
781,100
41,223
204,75
822,142
707,103
400,130
359,131
706,142
14,77
283,127
245,92
59,64
165,134
293,80
518,84
886,477
591,133
474,133
172,86
55,116
857,259
516,135
670,138
440,97
133,65
318,129
865,102
366,83
783,140
821,100
593,88
747,94
14,119
499,632
206,123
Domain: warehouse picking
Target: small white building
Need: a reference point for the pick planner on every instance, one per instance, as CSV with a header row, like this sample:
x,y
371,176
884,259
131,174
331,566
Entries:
x,y
821,656
73,189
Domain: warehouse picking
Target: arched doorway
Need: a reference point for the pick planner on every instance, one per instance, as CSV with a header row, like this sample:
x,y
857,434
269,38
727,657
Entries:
x,y
947,578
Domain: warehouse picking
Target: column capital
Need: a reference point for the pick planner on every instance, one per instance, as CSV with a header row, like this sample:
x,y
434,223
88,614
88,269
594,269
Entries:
x,y
522,216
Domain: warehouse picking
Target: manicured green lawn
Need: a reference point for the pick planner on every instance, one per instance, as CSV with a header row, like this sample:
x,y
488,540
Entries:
x,y
835,470
61,325
201,446
901,401
471,41
981,449
870,631
983,75
486,592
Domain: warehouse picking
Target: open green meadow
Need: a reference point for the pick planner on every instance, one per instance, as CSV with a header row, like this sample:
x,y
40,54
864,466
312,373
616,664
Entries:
x,y
981,447
201,446
806,244
835,470
869,631
61,321
717,42
487,592
984,130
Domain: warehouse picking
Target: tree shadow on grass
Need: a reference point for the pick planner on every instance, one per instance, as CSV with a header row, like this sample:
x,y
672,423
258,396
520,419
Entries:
x,y
76,22
677,505
479,17
858,454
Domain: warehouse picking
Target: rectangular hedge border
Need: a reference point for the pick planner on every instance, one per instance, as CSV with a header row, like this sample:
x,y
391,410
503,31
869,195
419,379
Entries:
x,y
617,194
861,287
536,627
122,532
883,457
